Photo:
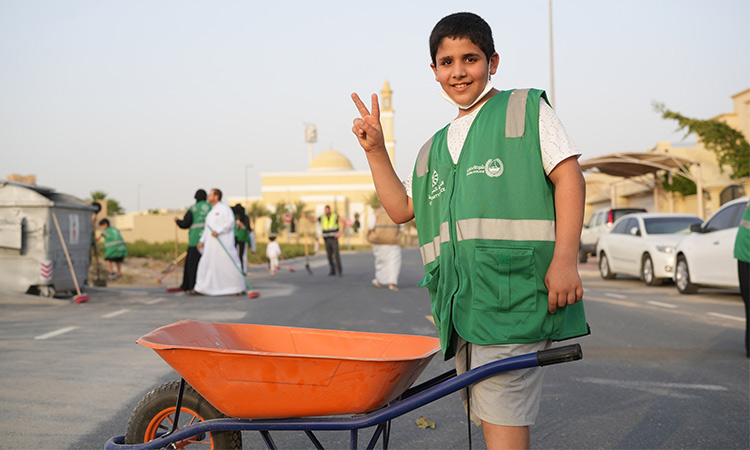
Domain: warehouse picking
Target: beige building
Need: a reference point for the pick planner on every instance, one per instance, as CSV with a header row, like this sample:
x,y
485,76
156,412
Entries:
x,y
643,191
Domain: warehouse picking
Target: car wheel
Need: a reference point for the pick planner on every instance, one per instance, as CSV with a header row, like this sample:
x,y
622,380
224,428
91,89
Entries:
x,y
682,277
582,255
647,272
604,270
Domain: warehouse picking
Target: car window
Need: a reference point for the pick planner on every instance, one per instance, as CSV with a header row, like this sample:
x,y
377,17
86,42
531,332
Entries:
x,y
598,218
592,221
622,227
670,225
617,213
726,218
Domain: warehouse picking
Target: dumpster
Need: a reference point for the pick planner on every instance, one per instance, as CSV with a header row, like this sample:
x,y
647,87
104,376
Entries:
x,y
32,259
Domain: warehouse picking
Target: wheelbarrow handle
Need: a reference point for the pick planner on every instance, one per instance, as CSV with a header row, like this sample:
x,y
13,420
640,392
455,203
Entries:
x,y
559,355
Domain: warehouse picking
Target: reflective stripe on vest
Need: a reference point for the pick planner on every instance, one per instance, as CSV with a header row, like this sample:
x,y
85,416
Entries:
x,y
198,225
490,229
744,223
431,250
111,243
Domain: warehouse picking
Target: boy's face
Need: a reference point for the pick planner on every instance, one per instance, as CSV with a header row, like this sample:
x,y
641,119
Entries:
x,y
462,69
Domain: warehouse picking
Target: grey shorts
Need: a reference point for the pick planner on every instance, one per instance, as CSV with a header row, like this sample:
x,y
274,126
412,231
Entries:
x,y
509,398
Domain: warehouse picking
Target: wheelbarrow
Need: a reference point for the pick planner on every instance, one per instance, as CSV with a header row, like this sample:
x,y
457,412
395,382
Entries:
x,y
244,377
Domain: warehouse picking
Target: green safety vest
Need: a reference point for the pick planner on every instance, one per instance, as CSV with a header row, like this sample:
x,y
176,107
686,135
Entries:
x,y
329,225
486,230
742,241
199,211
114,246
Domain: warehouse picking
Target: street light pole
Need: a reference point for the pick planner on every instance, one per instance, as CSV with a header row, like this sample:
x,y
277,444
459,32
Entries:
x,y
247,166
138,197
551,61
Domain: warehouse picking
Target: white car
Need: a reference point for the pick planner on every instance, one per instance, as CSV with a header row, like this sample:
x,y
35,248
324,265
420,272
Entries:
x,y
706,256
643,245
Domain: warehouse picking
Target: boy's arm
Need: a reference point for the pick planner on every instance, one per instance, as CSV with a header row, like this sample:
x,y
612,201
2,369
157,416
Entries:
x,y
391,191
562,278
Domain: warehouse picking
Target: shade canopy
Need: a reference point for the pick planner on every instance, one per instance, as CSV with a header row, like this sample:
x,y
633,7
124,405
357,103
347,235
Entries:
x,y
629,165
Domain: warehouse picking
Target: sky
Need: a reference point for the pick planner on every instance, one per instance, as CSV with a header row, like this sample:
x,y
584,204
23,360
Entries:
x,y
149,100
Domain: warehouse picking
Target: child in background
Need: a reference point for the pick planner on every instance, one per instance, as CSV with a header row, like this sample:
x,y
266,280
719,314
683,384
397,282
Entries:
x,y
273,252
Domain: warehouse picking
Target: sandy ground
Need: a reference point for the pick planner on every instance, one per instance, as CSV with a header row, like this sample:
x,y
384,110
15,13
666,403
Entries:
x,y
139,272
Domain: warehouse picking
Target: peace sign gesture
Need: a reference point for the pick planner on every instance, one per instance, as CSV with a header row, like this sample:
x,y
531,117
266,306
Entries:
x,y
367,127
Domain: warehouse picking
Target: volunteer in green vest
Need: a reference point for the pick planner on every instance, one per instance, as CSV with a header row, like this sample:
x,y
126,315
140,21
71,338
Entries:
x,y
115,250
742,255
332,226
498,198
195,221
242,236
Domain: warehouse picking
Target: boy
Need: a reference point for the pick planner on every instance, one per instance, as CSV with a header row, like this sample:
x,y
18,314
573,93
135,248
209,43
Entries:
x,y
499,213
273,252
115,250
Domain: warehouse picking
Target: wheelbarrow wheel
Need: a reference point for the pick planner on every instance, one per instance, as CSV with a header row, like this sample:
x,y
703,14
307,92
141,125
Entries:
x,y
154,416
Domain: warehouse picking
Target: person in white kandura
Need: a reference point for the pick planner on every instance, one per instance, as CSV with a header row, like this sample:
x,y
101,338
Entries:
x,y
218,269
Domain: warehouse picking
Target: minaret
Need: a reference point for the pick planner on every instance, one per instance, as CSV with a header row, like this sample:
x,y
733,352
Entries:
x,y
386,121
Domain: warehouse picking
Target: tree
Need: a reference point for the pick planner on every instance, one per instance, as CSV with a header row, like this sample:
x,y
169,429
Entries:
x,y
298,211
257,209
113,206
277,217
373,201
730,146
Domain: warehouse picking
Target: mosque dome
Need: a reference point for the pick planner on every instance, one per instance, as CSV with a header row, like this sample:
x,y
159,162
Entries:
x,y
330,160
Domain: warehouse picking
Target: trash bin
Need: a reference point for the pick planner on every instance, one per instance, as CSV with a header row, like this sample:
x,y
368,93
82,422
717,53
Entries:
x,y
32,259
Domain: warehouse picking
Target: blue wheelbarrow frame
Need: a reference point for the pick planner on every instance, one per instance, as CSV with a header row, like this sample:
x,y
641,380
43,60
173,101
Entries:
x,y
413,398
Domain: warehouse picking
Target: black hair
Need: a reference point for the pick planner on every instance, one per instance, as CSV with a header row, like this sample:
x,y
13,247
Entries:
x,y
200,195
218,192
272,237
463,25
104,222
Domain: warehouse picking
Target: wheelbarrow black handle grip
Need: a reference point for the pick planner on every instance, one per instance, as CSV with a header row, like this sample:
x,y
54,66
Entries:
x,y
559,355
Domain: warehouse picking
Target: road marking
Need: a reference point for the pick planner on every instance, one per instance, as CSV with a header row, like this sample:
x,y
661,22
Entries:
x,y
726,316
115,313
154,301
430,318
652,385
612,302
620,296
663,305
52,334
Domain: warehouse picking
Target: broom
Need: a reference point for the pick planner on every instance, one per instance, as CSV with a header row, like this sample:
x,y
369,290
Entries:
x,y
80,298
250,293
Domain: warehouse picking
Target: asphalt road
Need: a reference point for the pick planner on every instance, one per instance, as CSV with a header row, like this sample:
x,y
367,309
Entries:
x,y
660,370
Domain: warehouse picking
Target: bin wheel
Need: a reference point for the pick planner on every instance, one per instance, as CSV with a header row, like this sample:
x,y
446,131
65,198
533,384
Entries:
x,y
154,416
47,291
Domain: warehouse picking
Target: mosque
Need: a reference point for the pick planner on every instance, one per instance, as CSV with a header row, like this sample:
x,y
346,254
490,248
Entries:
x,y
330,180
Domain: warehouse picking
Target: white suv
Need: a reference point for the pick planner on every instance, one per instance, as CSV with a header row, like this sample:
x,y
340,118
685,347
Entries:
x,y
599,223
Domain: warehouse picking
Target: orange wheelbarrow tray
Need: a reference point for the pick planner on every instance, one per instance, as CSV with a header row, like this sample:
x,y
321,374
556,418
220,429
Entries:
x,y
262,371
273,378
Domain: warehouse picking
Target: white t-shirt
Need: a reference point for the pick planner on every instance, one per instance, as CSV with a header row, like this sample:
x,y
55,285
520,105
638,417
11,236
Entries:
x,y
556,144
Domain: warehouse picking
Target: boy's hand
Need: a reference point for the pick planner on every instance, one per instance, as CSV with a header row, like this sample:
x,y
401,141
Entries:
x,y
564,285
367,128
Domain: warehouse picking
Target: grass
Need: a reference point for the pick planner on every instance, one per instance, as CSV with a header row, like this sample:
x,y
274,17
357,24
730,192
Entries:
x,y
165,251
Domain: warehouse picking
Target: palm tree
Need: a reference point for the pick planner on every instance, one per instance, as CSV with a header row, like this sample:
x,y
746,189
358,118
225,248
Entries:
x,y
298,212
257,209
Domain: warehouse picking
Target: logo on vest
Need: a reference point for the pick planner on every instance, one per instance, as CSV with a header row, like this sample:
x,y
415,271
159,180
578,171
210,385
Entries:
x,y
493,168
438,187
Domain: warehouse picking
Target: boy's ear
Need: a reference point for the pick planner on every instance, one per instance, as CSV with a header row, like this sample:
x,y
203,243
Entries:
x,y
494,63
434,70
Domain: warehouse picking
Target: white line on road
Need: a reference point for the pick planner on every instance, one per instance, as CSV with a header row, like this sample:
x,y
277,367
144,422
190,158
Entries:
x,y
52,334
612,302
726,316
663,305
620,296
636,384
154,301
115,313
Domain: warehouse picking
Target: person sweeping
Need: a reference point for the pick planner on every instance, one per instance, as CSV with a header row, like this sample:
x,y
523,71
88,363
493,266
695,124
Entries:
x,y
115,250
218,272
